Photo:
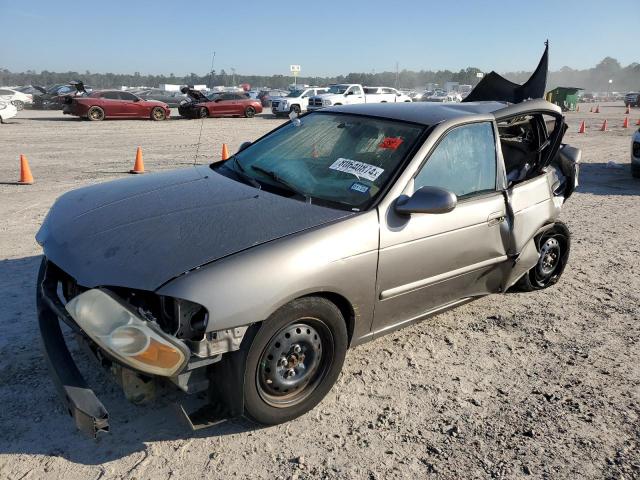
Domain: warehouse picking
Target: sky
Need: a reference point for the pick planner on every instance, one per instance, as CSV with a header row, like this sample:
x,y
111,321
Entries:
x,y
326,38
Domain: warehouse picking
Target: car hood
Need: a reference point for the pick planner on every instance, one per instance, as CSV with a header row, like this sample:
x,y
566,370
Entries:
x,y
142,232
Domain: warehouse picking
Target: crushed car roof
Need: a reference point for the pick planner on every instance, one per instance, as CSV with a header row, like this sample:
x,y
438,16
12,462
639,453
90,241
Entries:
x,y
430,113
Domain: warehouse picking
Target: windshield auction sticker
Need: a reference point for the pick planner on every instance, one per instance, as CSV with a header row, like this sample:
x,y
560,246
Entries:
x,y
359,169
391,143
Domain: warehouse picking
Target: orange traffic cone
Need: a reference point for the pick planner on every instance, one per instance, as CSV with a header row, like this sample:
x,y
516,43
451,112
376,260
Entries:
x,y
582,127
625,124
628,111
25,172
597,109
604,126
225,152
139,165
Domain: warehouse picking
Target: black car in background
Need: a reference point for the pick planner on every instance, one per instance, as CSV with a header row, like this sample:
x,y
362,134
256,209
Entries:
x,y
172,99
53,99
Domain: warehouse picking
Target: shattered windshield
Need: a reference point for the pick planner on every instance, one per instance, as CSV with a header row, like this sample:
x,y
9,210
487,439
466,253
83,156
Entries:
x,y
333,159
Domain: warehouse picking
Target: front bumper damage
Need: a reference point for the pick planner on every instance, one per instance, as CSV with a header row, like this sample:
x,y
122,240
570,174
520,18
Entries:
x,y
88,413
210,369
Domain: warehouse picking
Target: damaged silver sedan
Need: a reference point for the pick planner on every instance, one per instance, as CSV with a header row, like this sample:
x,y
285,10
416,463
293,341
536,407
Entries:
x,y
248,280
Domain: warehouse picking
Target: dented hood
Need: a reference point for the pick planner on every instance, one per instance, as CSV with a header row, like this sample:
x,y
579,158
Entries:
x,y
141,232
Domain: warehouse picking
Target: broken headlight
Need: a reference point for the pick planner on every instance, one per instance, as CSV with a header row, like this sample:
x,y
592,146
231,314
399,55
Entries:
x,y
119,330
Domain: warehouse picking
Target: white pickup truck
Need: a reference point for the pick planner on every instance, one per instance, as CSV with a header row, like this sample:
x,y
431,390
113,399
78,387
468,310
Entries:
x,y
351,93
297,101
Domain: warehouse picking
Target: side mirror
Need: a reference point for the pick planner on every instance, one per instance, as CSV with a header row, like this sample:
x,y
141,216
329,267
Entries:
x,y
243,146
137,99
350,92
426,200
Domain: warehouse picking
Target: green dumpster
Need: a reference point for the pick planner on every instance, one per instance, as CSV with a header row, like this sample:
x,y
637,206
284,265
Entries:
x,y
565,97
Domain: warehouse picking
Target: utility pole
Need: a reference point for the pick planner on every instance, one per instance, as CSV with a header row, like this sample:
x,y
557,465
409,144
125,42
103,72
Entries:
x,y
233,73
397,74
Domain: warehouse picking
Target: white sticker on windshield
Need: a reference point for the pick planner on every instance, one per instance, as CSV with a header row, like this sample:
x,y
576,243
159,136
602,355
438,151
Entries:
x,y
359,169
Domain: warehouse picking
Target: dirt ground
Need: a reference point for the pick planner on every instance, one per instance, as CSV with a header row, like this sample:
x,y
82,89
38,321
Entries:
x,y
540,385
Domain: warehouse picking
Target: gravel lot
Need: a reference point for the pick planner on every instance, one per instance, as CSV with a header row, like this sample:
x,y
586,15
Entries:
x,y
539,385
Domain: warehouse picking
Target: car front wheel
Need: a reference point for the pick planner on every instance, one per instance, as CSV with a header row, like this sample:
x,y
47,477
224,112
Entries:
x,y
553,247
203,112
95,114
294,360
19,104
249,112
158,114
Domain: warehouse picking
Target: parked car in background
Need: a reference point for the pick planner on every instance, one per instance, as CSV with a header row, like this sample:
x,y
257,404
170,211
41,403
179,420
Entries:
x,y
115,104
244,282
33,90
353,93
632,99
635,154
218,104
7,111
295,101
444,97
173,99
266,96
18,99
55,96
385,95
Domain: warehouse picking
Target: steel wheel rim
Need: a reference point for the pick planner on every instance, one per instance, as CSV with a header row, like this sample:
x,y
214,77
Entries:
x,y
549,262
294,362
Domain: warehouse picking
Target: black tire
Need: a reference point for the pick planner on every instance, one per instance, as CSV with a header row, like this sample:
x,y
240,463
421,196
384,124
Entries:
x,y
158,114
95,114
19,104
553,246
295,108
203,112
249,112
635,171
294,360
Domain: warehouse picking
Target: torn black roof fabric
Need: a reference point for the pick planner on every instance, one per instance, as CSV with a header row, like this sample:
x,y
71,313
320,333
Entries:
x,y
497,88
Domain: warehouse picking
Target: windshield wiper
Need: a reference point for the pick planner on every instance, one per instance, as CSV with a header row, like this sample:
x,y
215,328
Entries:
x,y
274,176
242,173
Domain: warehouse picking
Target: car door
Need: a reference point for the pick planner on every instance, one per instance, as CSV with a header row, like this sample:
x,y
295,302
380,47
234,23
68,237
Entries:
x,y
223,105
111,104
131,105
354,95
432,261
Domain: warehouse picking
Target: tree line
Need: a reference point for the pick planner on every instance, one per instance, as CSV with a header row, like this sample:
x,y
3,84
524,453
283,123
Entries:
x,y
608,75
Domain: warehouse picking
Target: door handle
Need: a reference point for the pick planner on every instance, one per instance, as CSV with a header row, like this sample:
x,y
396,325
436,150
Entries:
x,y
495,218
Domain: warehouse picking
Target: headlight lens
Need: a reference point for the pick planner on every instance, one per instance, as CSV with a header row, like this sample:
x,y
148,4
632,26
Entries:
x,y
326,102
120,332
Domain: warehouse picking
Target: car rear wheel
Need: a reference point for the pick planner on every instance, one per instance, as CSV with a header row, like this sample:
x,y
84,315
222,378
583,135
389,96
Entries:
x,y
95,114
553,247
249,112
294,360
203,112
158,114
19,104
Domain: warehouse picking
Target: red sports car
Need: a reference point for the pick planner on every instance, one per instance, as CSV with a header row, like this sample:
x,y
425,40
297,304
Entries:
x,y
218,105
115,104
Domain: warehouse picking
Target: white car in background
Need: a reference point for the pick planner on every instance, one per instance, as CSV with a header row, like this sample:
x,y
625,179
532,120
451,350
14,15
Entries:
x,y
18,99
297,101
7,110
385,95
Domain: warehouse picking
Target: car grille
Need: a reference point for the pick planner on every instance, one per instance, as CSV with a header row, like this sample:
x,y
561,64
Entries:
x,y
632,98
275,104
315,102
